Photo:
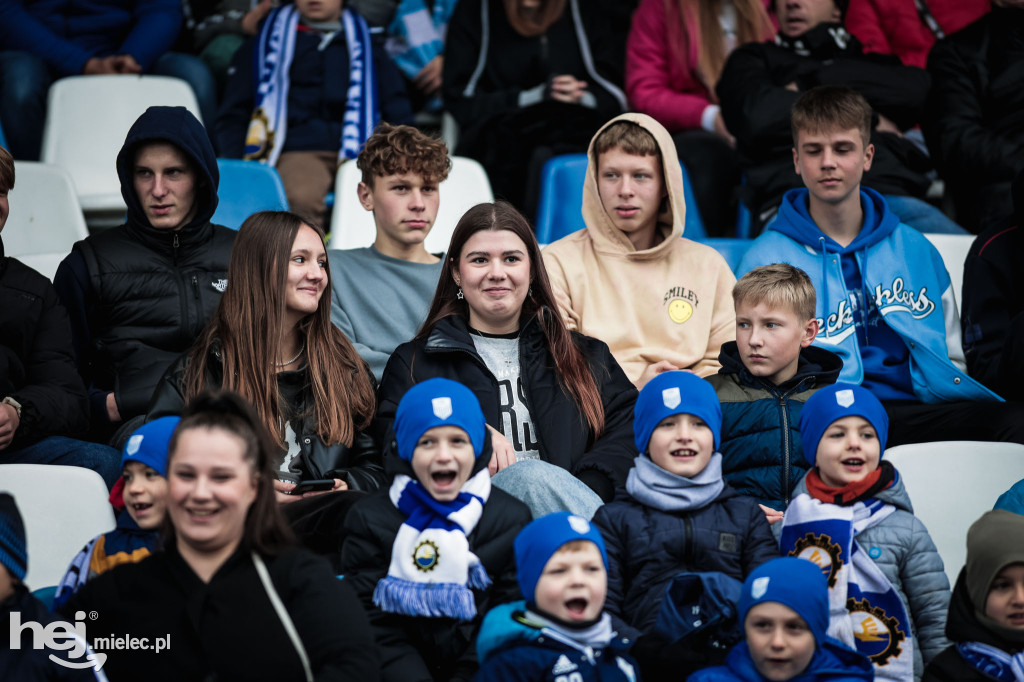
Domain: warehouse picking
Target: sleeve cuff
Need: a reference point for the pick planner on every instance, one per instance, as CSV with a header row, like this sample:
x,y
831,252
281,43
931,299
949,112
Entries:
x,y
707,119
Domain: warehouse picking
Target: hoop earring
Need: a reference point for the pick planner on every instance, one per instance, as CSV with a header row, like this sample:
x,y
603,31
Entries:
x,y
459,295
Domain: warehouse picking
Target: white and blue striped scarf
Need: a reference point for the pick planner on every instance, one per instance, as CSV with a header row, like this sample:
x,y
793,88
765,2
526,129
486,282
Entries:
x,y
865,611
432,568
993,662
275,49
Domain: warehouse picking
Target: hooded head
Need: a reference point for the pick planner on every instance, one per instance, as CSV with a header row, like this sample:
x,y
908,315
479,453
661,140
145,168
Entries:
x,y
669,209
835,402
177,127
993,543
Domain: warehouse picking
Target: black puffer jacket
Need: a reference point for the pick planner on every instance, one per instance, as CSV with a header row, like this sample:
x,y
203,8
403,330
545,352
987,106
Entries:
x,y
974,122
565,440
37,364
962,625
138,296
426,649
756,106
359,465
647,547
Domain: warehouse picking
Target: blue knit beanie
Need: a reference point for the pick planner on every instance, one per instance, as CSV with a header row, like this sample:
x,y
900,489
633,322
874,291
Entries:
x,y
796,583
542,537
148,444
672,393
835,402
13,551
438,402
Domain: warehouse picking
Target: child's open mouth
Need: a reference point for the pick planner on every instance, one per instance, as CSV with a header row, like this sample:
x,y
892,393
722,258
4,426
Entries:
x,y
853,462
443,477
684,453
576,607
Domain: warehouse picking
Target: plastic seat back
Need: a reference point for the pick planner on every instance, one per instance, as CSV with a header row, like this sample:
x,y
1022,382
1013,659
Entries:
x,y
953,248
45,219
245,188
951,484
63,508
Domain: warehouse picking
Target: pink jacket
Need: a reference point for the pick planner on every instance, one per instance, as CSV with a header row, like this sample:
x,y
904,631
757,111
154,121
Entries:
x,y
670,92
894,26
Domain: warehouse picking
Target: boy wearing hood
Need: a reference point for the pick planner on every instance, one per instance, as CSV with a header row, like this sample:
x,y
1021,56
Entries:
x,y
885,304
661,303
139,294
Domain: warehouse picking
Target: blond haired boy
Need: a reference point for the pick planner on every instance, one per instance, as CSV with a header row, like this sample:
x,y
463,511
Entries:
x,y
767,374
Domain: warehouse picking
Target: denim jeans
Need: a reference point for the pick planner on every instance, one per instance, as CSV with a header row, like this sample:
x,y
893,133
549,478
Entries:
x,y
103,459
546,488
922,216
25,81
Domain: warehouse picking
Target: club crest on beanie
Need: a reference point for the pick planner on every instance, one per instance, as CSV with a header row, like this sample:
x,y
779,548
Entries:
x,y
541,538
438,402
672,393
148,444
796,583
835,402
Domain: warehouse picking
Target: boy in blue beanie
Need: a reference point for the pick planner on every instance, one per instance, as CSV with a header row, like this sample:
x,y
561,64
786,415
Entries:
x,y
676,513
851,515
784,611
144,493
429,555
561,628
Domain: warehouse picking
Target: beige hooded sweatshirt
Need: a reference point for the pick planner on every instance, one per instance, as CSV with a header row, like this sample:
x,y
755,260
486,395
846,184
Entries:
x,y
670,302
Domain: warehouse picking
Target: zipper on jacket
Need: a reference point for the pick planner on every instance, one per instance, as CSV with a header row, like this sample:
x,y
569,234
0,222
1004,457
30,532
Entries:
x,y
175,246
195,286
688,552
786,450
544,48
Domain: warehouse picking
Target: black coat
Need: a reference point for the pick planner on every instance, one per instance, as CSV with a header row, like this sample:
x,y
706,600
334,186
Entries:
x,y
962,625
37,363
992,315
359,465
565,440
426,649
227,629
138,296
647,547
756,107
26,663
974,121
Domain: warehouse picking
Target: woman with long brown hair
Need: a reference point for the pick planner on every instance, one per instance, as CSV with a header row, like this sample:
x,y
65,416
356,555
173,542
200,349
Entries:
x,y
674,58
229,596
272,342
556,402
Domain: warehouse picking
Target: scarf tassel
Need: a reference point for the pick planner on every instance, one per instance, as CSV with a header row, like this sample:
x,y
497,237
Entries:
x,y
433,600
478,578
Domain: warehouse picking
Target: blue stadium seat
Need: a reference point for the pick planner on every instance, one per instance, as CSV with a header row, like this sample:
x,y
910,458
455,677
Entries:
x,y
3,140
731,249
245,188
561,200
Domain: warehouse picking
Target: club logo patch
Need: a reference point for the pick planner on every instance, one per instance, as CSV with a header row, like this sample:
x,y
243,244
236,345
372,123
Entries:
x,y
878,635
671,398
844,397
822,552
426,556
442,407
759,587
579,524
133,445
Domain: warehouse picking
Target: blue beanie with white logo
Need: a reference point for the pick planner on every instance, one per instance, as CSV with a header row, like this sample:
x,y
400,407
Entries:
x,y
148,444
542,537
797,583
835,402
672,393
438,402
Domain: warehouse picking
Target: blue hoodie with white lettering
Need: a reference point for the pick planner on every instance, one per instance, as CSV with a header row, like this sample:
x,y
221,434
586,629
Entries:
x,y
885,303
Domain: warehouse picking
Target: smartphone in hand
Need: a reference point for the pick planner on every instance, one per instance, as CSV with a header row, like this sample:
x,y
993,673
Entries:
x,y
313,486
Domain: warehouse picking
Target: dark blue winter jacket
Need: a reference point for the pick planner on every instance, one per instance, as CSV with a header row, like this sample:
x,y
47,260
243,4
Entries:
x,y
647,547
833,662
511,647
67,33
761,452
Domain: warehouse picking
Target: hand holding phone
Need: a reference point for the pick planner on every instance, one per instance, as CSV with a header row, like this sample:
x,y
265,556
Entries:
x,y
313,486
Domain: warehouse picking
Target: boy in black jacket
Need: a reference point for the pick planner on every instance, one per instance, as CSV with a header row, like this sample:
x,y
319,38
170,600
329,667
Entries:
x,y
431,554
